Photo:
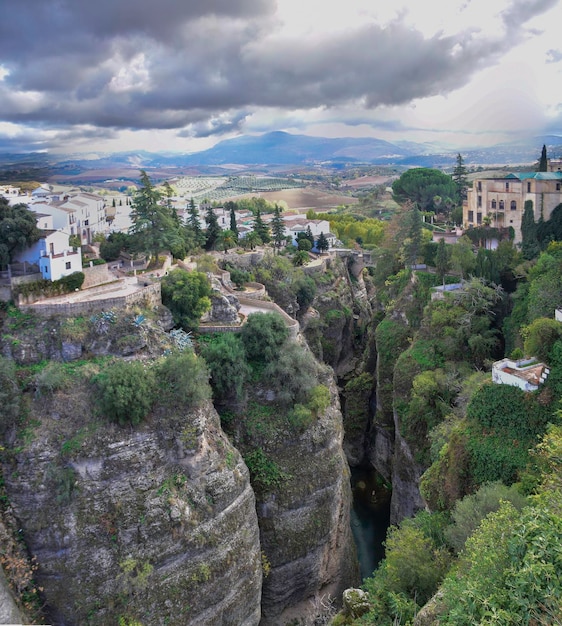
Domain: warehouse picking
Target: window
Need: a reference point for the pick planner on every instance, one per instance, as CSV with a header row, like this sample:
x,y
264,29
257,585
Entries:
x,y
479,218
52,248
502,205
471,216
494,204
86,222
528,187
557,186
507,186
67,265
513,205
479,201
479,185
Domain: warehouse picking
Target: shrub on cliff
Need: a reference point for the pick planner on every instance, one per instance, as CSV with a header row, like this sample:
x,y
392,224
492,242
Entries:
x,y
187,295
263,335
126,391
183,380
226,358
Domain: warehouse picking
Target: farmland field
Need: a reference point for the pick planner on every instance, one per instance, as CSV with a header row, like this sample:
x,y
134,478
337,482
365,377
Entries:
x,y
305,198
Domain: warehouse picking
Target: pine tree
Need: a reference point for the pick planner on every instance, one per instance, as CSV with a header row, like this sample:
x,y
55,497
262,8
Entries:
x,y
309,235
322,244
154,225
543,161
193,221
232,208
277,227
442,260
260,228
529,242
213,228
460,180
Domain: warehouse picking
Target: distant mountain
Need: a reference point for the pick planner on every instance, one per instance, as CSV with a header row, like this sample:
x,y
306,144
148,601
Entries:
x,y
280,148
274,151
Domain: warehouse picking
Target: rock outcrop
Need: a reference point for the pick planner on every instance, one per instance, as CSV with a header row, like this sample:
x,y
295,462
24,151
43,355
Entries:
x,y
156,524
305,525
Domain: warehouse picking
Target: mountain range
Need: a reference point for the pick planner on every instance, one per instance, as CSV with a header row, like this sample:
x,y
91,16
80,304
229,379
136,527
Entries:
x,y
279,151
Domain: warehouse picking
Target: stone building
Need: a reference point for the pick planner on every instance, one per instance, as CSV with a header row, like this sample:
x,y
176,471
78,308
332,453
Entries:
x,y
500,201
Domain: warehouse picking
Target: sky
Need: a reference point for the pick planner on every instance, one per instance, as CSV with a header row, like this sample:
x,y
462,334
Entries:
x,y
181,75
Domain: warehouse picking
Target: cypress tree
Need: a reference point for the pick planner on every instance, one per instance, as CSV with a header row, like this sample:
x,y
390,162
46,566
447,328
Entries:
x,y
543,161
460,180
213,228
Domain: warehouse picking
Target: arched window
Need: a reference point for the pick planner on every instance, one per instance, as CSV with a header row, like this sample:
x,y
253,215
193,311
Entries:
x,y
502,206
513,205
493,204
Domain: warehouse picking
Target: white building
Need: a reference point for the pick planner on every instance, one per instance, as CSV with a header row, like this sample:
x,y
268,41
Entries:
x,y
90,216
53,255
526,374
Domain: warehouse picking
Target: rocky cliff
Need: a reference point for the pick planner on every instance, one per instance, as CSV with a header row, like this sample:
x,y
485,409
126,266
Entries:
x,y
156,524
305,525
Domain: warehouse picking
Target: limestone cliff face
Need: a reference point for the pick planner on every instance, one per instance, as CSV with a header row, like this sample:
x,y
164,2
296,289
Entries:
x,y
156,524
304,525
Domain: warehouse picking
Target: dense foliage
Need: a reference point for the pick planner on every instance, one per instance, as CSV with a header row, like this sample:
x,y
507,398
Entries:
x,y
18,230
187,295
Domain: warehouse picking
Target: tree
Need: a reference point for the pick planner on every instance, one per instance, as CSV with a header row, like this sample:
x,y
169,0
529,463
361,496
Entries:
x,y
277,227
195,225
184,378
442,260
421,185
540,336
213,228
260,228
127,391
230,206
543,161
322,244
462,257
301,257
226,239
18,230
226,358
412,244
262,335
529,242
252,239
187,295
460,180
155,227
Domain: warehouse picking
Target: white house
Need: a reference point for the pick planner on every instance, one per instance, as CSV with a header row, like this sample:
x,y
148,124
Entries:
x,y
89,211
295,224
62,218
526,374
53,255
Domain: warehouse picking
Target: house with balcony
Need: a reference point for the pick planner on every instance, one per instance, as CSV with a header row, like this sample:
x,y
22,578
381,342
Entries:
x,y
53,255
500,201
89,213
527,374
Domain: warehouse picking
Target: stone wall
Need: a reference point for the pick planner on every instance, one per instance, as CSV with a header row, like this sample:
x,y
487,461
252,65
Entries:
x,y
96,275
149,296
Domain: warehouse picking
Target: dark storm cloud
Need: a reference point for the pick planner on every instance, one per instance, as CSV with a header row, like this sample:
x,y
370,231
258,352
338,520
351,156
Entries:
x,y
174,64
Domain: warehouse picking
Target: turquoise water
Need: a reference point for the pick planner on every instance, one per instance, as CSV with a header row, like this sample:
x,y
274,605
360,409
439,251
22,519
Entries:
x,y
370,518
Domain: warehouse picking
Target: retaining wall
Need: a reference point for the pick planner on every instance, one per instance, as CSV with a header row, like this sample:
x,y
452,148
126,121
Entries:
x,y
96,275
148,296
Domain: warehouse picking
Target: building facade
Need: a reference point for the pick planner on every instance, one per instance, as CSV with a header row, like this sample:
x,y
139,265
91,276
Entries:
x,y
500,201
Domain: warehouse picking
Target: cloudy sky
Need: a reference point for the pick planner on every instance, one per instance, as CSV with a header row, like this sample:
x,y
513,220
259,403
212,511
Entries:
x,y
112,75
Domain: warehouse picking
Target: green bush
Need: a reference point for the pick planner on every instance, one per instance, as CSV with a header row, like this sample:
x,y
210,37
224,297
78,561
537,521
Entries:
x,y
291,375
187,295
472,509
262,336
51,378
183,380
226,358
10,395
127,390
265,474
